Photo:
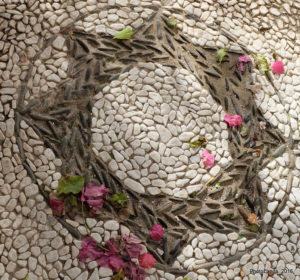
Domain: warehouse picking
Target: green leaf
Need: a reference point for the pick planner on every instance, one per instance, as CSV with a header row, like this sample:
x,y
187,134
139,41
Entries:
x,y
119,276
185,278
119,198
220,54
172,22
218,185
254,228
262,64
27,277
70,184
201,142
240,236
124,34
73,200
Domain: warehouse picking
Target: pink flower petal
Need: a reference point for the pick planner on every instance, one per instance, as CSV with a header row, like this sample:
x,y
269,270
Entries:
x,y
89,250
241,61
94,195
131,239
157,232
277,67
132,245
112,261
56,205
147,260
95,204
240,66
92,191
208,158
228,119
116,263
233,121
111,246
238,120
134,272
244,58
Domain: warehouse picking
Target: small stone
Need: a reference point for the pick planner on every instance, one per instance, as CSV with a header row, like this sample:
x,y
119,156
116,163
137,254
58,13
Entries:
x,y
186,136
220,237
111,225
134,185
287,256
257,44
205,237
46,53
155,156
58,43
4,199
207,254
188,251
164,133
272,206
233,236
19,241
31,190
52,256
95,275
123,3
215,170
105,272
73,272
20,27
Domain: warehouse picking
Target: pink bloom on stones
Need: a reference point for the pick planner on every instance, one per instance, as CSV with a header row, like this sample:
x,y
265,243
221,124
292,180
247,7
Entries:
x,y
208,158
132,245
147,260
94,195
56,205
134,272
89,250
157,232
233,121
277,67
242,60
112,261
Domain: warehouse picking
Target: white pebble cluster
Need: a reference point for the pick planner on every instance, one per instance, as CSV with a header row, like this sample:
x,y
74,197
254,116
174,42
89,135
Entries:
x,y
143,123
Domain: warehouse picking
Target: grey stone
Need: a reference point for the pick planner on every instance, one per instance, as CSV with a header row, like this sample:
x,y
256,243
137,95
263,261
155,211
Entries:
x,y
134,185
111,225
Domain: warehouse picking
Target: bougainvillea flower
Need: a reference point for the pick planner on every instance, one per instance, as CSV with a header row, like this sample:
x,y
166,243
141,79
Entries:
x,y
233,121
112,246
157,232
147,260
96,204
89,250
56,205
94,195
91,191
112,261
208,158
242,60
277,67
132,245
134,272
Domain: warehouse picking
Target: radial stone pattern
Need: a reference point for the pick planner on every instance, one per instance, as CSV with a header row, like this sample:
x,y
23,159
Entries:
x,y
122,113
142,76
